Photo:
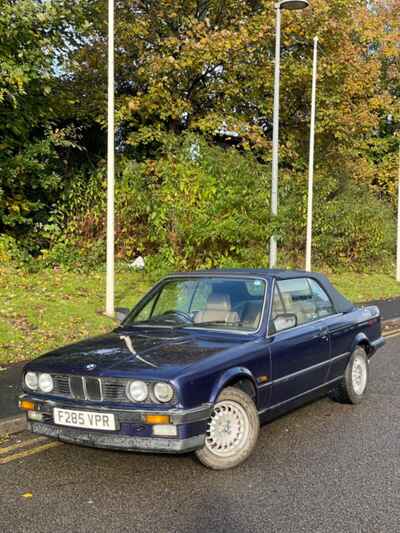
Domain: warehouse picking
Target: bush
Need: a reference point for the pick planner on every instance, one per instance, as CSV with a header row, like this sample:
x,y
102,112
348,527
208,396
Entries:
x,y
352,228
10,251
184,213
200,206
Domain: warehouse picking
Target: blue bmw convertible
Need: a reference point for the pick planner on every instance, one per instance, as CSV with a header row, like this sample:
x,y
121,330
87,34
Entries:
x,y
201,361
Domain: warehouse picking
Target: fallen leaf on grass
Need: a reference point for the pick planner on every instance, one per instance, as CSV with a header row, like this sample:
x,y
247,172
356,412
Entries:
x,y
23,324
4,438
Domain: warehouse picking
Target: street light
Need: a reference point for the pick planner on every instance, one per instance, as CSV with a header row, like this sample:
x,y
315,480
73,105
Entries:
x,y
398,225
293,4
110,166
311,158
290,5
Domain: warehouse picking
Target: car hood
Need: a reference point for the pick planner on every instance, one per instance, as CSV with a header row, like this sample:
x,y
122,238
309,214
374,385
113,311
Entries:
x,y
122,351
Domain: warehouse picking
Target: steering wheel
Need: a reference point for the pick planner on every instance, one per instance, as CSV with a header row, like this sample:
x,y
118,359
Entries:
x,y
180,314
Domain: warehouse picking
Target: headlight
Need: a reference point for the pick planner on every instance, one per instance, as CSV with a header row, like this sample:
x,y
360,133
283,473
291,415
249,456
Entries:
x,y
137,391
46,383
163,392
31,380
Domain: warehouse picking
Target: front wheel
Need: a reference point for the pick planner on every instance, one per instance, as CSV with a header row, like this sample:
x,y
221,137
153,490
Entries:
x,y
232,431
354,384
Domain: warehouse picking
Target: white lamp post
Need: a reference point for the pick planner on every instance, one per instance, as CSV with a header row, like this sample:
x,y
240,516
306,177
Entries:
x,y
291,5
398,225
110,166
311,159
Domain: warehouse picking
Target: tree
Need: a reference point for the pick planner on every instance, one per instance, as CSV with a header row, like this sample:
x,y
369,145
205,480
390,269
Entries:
x,y
198,65
35,40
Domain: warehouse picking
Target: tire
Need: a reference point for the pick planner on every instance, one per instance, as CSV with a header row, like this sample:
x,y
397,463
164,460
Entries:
x,y
354,384
232,431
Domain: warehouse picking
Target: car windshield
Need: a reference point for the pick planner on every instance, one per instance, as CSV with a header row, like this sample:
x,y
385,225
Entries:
x,y
212,302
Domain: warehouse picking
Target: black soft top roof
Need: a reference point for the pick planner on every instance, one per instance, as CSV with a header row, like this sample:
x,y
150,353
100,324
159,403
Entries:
x,y
341,304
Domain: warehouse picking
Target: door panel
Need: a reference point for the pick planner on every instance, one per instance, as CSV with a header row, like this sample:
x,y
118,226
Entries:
x,y
300,355
341,330
300,361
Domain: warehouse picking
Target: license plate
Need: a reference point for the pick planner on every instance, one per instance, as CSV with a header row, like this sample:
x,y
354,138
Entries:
x,y
84,419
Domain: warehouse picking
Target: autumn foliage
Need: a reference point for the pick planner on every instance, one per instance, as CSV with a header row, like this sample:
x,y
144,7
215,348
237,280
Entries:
x,y
194,92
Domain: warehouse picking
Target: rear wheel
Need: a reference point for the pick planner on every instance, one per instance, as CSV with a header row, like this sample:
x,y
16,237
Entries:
x,y
353,387
232,430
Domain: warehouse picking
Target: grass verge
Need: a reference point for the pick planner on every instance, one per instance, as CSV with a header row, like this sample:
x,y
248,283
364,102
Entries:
x,y
41,311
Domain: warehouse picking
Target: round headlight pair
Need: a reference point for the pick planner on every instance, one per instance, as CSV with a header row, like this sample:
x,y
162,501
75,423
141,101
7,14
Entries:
x,y
138,391
163,392
43,382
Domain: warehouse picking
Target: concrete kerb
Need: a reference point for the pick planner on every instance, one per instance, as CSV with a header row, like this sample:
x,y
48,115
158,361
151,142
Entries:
x,y
12,424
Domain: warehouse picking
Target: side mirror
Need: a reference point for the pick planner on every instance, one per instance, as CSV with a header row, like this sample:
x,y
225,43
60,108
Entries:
x,y
285,321
121,313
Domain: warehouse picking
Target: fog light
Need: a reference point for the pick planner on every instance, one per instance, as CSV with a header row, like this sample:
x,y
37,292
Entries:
x,y
165,431
35,415
157,419
26,405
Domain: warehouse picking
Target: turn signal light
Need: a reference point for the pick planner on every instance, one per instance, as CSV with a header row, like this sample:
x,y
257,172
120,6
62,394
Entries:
x,y
157,419
26,405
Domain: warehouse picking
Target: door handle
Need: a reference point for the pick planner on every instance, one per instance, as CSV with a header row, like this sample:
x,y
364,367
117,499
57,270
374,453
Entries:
x,y
325,334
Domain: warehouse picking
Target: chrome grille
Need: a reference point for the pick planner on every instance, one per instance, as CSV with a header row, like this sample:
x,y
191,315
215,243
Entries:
x,y
90,388
114,390
61,386
93,389
77,386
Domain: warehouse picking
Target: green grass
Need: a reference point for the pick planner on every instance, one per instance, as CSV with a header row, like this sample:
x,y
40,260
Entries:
x,y
41,311
47,309
365,287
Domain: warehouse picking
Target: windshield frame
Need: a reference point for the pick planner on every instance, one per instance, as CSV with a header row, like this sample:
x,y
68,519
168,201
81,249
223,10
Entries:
x,y
158,286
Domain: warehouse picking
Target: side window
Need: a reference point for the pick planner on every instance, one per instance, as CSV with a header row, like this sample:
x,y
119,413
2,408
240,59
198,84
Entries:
x,y
277,304
298,299
280,319
322,301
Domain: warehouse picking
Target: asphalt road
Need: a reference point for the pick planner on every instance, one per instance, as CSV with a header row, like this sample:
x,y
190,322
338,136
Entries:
x,y
324,468
10,380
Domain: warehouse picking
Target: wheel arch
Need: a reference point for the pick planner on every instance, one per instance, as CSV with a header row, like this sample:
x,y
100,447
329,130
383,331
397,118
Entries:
x,y
240,377
362,340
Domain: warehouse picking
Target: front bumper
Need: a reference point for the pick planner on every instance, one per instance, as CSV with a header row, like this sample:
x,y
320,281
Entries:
x,y
132,432
95,439
378,343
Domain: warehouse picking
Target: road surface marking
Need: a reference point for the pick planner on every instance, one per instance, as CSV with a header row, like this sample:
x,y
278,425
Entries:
x,y
392,335
23,444
27,453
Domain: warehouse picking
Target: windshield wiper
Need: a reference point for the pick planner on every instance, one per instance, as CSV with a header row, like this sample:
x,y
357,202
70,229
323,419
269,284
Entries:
x,y
210,323
156,322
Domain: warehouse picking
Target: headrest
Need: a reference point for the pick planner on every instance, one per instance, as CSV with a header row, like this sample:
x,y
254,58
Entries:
x,y
220,302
